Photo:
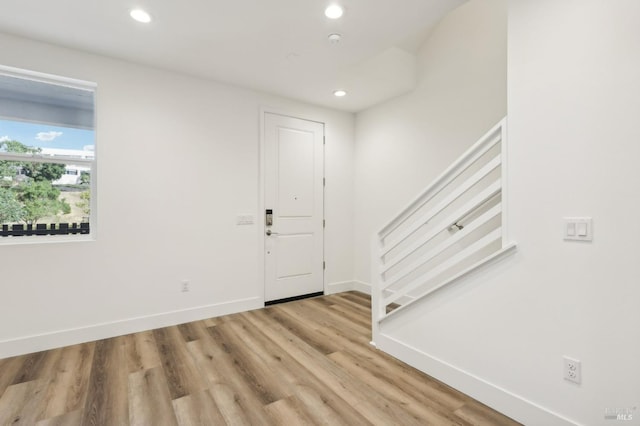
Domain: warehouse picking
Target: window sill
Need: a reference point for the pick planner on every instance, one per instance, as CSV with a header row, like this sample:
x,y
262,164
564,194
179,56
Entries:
x,y
46,239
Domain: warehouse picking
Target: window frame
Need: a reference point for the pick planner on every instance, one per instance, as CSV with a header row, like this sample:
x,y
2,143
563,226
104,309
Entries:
x,y
57,159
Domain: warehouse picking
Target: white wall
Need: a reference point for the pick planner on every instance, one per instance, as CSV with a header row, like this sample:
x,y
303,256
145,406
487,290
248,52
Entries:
x,y
574,103
403,144
158,229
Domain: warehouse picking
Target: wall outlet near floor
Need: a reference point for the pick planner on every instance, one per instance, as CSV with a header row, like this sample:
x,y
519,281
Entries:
x,y
572,370
184,286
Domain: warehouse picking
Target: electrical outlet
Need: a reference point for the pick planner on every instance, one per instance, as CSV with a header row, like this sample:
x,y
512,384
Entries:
x,y
572,370
185,286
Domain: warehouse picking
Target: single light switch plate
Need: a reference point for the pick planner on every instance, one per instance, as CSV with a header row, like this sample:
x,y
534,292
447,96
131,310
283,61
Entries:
x,y
578,228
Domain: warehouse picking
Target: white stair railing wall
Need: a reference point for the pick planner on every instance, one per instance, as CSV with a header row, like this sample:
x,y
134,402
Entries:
x,y
457,224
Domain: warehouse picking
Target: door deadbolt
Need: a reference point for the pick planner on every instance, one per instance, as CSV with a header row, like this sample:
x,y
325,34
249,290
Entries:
x,y
268,217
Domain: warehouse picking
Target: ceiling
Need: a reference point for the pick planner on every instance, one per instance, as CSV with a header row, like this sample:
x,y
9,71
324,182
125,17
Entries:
x,y
276,46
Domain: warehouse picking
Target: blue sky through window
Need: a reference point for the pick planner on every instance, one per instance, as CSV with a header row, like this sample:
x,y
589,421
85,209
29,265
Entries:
x,y
46,136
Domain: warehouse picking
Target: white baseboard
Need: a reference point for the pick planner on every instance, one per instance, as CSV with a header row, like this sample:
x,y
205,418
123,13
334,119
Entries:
x,y
362,287
57,339
339,287
342,286
512,405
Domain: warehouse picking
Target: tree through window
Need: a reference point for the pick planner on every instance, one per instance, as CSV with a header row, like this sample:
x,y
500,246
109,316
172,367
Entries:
x,y
47,155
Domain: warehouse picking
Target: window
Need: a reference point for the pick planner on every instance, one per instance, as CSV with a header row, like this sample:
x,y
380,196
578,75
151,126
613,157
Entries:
x,y
47,157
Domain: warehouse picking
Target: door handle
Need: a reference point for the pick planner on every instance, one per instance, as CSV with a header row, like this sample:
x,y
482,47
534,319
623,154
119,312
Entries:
x,y
269,233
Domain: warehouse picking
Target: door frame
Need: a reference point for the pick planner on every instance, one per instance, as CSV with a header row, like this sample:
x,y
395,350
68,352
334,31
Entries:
x,y
261,228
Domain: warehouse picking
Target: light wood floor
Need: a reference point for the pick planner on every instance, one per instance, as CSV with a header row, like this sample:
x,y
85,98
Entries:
x,y
304,362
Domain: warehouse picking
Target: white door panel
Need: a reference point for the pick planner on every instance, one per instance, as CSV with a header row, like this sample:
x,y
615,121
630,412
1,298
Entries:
x,y
294,191
295,255
296,173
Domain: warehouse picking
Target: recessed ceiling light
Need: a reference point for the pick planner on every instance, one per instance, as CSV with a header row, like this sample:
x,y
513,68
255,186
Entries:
x,y
339,93
333,12
140,16
335,38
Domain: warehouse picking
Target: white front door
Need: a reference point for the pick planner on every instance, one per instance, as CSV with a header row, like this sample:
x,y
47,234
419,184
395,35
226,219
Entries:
x,y
294,196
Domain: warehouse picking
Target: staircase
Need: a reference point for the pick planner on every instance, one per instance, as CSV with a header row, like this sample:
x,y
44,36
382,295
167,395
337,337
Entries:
x,y
455,226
